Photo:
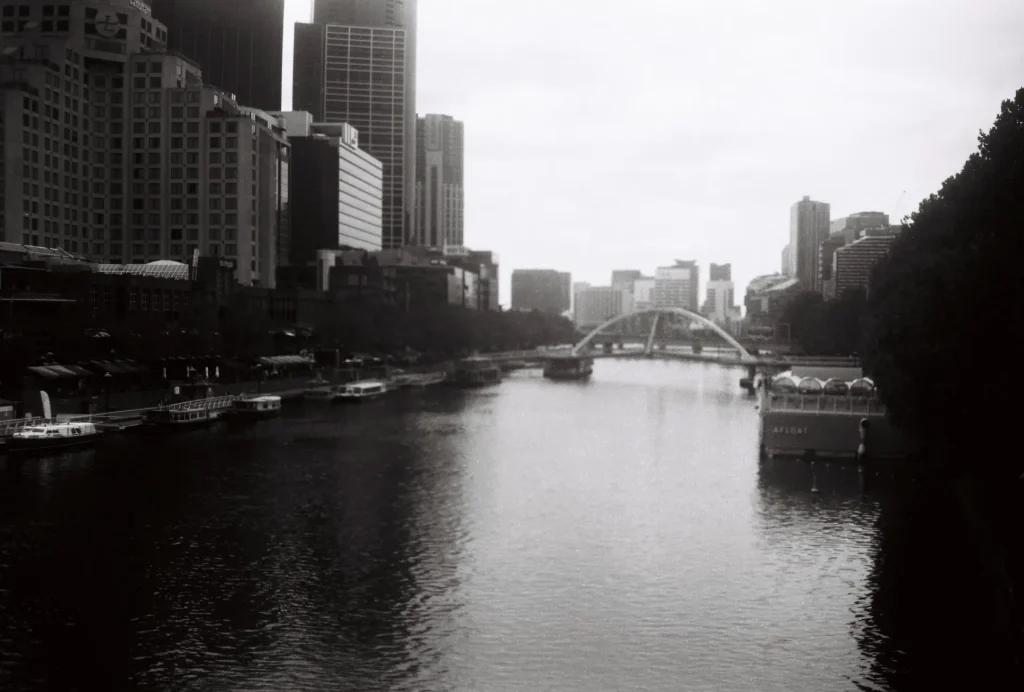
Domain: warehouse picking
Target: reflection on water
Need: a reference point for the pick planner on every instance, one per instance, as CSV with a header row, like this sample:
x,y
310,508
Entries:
x,y
617,534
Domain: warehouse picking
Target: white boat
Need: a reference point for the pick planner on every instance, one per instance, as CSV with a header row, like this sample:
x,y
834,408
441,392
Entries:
x,y
48,437
262,406
359,391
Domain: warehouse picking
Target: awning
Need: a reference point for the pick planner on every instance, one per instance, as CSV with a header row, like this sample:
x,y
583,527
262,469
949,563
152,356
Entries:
x,y
45,372
284,360
60,369
80,371
110,368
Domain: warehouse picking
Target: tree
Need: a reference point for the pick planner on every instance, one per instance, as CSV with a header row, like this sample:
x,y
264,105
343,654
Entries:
x,y
947,298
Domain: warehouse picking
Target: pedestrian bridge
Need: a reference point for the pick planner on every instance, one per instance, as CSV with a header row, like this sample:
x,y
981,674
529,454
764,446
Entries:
x,y
731,353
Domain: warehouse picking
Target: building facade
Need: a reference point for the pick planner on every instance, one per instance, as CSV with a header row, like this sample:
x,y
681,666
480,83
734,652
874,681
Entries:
x,y
545,290
237,43
597,304
808,229
356,64
440,206
787,262
719,302
854,262
126,157
677,286
765,300
624,278
337,194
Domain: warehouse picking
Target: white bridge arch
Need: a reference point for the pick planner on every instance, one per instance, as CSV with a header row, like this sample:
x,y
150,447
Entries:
x,y
744,353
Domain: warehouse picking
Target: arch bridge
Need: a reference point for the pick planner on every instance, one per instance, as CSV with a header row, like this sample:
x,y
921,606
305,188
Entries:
x,y
581,348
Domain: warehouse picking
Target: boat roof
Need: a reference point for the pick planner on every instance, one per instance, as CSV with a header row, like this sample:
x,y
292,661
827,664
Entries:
x,y
826,373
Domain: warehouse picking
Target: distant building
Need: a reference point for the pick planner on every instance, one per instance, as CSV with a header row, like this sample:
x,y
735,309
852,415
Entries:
x,y
577,286
767,297
624,278
545,290
643,293
787,260
808,228
236,43
356,64
597,304
851,227
854,262
440,206
720,272
677,286
336,191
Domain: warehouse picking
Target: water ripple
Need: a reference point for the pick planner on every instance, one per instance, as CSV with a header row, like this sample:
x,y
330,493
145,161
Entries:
x,y
616,536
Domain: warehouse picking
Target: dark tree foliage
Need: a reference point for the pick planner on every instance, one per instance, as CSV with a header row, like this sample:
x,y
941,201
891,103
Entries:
x,y
821,328
945,305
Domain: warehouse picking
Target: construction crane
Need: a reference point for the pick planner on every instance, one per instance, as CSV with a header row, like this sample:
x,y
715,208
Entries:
x,y
897,207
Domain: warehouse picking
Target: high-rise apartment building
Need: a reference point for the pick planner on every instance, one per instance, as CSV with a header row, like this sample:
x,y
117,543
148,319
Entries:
x,y
545,290
845,231
808,229
854,262
677,286
236,43
126,157
356,64
440,207
336,190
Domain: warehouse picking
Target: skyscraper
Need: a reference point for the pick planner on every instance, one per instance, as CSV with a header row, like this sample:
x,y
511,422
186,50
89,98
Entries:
x,y
236,43
440,207
356,64
808,229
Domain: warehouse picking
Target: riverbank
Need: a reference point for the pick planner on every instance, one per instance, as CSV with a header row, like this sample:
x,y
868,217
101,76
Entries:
x,y
994,517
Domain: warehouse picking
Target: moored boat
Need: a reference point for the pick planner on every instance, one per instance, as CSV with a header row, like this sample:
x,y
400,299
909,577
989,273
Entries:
x,y
473,372
569,368
834,412
181,417
52,437
361,391
254,407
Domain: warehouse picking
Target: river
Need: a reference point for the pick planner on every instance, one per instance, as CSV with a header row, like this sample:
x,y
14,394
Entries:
x,y
619,534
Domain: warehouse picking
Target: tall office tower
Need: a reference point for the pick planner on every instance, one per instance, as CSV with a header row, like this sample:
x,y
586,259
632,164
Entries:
x,y
808,229
236,43
356,64
720,296
440,207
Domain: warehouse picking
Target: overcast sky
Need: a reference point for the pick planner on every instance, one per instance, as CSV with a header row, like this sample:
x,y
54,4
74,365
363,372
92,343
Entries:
x,y
608,135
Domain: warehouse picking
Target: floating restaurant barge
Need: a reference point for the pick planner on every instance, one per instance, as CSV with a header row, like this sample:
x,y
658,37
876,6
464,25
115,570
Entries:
x,y
827,413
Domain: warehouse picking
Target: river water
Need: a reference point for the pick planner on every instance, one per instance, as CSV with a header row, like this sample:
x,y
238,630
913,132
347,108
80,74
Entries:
x,y
619,534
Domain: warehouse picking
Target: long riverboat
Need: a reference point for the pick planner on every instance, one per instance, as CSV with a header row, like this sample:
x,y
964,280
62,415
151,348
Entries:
x,y
46,438
256,407
361,391
826,412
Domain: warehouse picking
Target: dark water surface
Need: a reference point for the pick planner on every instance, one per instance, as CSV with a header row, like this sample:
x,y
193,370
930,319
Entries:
x,y
614,535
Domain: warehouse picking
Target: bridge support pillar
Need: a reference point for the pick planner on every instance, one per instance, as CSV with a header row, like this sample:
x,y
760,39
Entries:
x,y
650,339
